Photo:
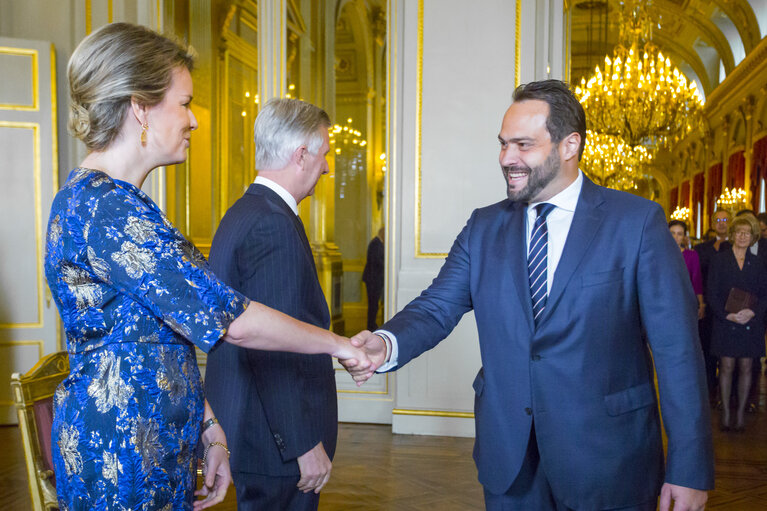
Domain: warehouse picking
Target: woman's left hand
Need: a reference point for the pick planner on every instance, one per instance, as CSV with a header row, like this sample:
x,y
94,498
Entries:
x,y
216,478
745,316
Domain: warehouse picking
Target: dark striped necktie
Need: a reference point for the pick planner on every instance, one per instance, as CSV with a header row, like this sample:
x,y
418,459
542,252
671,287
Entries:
x,y
537,260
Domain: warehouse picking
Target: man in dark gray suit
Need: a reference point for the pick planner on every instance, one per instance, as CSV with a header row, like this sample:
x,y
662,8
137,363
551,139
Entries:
x,y
278,410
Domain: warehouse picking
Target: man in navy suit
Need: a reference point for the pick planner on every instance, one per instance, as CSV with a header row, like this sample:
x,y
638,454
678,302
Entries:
x,y
565,405
279,410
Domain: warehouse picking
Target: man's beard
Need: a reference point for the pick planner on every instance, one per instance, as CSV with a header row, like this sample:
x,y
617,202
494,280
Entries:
x,y
538,177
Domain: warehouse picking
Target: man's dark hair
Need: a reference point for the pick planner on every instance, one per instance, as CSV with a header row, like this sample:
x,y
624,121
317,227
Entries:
x,y
680,223
566,114
762,217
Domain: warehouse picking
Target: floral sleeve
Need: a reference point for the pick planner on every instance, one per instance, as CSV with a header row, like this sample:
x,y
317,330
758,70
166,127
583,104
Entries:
x,y
132,247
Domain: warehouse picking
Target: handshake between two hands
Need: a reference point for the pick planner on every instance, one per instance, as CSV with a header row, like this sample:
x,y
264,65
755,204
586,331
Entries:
x,y
364,353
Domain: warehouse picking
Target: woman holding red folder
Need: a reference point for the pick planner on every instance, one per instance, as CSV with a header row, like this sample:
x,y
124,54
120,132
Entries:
x,y
737,298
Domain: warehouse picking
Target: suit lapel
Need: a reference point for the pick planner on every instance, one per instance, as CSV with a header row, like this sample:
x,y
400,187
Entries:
x,y
514,244
272,197
587,220
299,225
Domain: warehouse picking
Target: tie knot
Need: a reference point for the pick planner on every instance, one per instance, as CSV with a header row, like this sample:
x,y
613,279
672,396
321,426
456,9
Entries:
x,y
544,208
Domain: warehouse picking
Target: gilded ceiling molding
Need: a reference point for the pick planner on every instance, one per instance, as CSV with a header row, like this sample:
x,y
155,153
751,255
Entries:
x,y
742,16
751,70
708,31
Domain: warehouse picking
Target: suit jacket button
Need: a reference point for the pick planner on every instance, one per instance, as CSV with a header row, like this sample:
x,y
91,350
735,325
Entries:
x,y
529,411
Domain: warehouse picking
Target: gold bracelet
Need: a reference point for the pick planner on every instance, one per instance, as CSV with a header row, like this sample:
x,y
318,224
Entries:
x,y
205,454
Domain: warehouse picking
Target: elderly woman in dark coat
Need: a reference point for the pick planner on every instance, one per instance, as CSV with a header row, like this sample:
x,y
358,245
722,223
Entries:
x,y
739,325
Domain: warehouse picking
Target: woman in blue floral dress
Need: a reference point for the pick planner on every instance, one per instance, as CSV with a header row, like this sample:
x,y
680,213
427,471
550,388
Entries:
x,y
136,297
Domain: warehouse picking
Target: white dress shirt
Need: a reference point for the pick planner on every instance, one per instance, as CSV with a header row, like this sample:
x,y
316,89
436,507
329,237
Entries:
x,y
558,224
279,190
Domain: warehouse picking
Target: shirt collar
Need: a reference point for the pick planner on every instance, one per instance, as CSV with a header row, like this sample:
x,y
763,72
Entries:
x,y
567,199
279,190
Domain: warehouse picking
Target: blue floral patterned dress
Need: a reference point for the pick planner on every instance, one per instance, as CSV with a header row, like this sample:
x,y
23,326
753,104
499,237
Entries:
x,y
135,298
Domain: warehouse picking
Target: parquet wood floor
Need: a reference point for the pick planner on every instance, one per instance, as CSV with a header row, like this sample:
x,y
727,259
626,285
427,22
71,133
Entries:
x,y
376,470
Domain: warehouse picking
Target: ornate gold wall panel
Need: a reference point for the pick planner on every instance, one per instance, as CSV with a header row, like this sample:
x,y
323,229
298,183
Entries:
x,y
29,324
22,232
22,64
420,252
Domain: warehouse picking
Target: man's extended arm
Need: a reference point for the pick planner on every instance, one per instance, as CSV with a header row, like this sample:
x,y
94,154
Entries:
x,y
426,320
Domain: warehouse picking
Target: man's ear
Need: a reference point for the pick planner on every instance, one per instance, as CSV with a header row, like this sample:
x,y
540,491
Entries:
x,y
299,155
570,146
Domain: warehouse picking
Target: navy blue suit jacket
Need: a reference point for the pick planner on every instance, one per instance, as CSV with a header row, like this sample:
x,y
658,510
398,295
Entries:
x,y
273,406
583,377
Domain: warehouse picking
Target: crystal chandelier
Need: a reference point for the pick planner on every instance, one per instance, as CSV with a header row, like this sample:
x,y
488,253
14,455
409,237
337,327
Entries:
x,y
682,214
610,161
640,97
732,200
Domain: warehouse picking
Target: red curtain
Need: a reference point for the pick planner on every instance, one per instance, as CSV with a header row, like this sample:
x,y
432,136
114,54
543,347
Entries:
x,y
673,199
758,170
736,170
714,187
684,198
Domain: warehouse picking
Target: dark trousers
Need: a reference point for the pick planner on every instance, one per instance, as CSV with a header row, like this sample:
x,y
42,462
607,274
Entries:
x,y
531,490
374,296
705,326
256,492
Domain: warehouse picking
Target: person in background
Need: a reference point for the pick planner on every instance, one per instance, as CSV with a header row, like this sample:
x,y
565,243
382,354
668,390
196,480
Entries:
x,y
678,231
759,249
720,223
706,251
279,410
762,217
738,326
136,297
373,276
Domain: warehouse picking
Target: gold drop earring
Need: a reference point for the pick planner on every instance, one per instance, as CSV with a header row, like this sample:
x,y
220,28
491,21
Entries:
x,y
144,127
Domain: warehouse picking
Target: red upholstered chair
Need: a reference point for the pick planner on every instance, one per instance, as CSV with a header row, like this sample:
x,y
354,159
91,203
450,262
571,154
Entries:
x,y
33,395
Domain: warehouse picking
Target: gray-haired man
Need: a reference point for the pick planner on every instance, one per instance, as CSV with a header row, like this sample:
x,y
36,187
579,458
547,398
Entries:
x,y
278,410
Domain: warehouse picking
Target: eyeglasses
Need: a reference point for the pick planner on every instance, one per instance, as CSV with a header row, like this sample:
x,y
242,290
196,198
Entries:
x,y
718,220
743,233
